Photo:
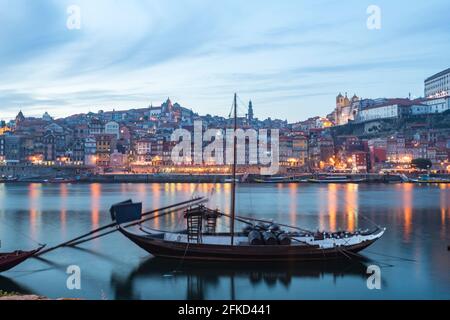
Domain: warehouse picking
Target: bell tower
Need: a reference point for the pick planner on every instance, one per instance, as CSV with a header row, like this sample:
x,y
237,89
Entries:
x,y
250,112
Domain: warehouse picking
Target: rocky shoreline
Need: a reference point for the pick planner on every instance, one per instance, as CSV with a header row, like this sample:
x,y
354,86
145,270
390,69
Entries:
x,y
22,298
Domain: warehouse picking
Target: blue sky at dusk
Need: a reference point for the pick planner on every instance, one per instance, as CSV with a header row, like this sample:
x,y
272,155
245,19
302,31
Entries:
x,y
290,57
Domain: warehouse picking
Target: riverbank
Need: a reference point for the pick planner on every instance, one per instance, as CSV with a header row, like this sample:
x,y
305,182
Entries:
x,y
28,298
57,174
185,178
22,298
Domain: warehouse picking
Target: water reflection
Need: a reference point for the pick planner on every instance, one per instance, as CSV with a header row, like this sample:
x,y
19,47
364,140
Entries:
x,y
201,281
407,207
332,206
293,207
445,210
351,199
64,192
9,285
417,218
34,195
96,193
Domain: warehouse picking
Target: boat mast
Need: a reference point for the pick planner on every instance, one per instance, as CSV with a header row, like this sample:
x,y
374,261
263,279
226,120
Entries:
x,y
233,189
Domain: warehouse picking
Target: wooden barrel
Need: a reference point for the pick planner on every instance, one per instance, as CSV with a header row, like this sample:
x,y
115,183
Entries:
x,y
255,238
284,239
274,228
270,239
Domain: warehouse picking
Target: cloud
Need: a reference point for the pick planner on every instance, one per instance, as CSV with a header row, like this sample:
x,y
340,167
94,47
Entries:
x,y
130,53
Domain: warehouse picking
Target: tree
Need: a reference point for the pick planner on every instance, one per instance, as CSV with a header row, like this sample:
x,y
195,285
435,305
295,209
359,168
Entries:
x,y
423,164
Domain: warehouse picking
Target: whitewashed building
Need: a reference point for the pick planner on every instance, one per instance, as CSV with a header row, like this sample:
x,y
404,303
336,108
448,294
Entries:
x,y
390,109
431,106
379,112
113,128
143,150
438,85
438,105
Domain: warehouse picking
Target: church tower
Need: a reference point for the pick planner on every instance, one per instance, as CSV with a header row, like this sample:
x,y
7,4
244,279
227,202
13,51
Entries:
x,y
250,112
20,118
340,101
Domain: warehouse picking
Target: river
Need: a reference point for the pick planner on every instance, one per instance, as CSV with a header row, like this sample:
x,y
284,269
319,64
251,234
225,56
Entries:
x,y
412,256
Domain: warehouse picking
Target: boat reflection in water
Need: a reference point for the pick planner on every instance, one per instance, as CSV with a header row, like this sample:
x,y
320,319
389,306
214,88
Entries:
x,y
202,280
9,285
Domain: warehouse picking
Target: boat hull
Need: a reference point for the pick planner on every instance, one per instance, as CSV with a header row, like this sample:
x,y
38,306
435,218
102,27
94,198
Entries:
x,y
11,260
343,181
206,252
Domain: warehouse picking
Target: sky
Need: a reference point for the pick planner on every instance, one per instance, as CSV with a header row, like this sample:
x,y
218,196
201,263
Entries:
x,y
290,57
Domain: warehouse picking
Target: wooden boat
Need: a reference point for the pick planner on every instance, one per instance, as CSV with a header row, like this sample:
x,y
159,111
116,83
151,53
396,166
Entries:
x,y
6,179
260,241
274,180
62,180
13,259
335,179
426,179
216,247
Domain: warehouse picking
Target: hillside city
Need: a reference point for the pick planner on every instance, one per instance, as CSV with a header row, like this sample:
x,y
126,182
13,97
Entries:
x,y
358,136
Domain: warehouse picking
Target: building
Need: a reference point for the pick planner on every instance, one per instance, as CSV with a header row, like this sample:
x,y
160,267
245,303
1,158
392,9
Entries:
x,y
438,85
47,117
377,148
20,118
10,148
143,149
250,114
105,145
388,109
346,109
112,127
118,160
78,155
300,149
438,105
360,161
96,127
285,150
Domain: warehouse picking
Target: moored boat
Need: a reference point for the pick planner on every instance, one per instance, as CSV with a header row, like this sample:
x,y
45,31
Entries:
x,y
13,259
217,247
335,179
6,179
60,180
276,180
427,179
260,241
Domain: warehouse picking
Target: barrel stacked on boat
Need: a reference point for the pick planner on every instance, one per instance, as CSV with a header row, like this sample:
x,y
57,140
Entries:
x,y
269,235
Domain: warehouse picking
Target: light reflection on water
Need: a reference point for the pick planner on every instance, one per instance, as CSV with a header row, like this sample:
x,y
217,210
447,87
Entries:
x,y
417,219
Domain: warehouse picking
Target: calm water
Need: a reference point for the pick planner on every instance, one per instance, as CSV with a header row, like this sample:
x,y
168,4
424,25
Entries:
x,y
413,255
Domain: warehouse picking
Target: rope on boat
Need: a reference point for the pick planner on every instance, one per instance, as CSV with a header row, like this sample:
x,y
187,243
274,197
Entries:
x,y
388,256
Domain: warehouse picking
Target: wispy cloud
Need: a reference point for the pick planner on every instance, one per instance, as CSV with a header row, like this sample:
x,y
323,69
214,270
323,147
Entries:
x,y
290,56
